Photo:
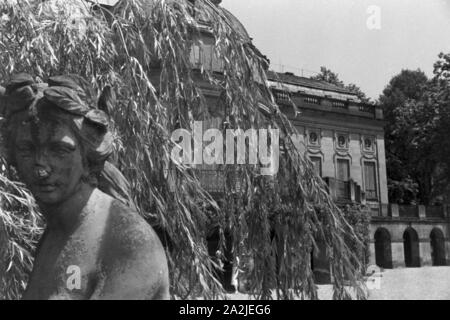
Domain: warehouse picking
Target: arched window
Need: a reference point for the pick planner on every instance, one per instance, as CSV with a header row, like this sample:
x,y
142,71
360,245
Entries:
x,y
383,250
437,242
411,248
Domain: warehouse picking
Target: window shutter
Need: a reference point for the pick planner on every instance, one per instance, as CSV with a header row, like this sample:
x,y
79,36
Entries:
x,y
370,180
343,170
317,162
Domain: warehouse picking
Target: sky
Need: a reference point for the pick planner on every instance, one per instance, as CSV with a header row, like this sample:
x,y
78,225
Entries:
x,y
366,42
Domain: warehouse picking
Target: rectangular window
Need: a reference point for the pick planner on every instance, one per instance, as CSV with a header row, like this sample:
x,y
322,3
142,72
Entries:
x,y
317,163
207,57
343,170
370,181
217,63
196,56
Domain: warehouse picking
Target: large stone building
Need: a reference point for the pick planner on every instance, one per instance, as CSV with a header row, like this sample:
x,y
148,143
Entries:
x,y
344,138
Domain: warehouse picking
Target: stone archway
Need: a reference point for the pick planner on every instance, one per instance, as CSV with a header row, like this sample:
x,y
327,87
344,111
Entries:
x,y
383,250
411,248
437,241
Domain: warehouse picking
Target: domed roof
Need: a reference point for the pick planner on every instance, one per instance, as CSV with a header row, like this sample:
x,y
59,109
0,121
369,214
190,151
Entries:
x,y
236,24
233,22
206,17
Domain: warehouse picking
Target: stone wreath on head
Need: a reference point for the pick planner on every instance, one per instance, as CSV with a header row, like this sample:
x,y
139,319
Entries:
x,y
68,99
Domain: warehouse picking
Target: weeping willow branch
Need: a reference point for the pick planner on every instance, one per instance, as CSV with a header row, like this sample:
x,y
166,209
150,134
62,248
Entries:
x,y
142,50
20,229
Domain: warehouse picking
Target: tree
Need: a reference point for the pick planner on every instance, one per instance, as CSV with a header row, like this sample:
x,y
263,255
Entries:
x,y
333,78
437,101
399,102
417,115
141,49
328,76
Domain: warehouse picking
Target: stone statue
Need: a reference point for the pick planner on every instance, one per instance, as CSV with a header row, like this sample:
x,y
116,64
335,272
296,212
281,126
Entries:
x,y
95,245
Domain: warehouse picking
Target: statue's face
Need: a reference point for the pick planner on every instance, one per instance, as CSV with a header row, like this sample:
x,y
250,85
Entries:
x,y
49,160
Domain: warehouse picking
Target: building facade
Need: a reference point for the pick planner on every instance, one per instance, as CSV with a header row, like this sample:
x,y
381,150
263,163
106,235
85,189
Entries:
x,y
344,138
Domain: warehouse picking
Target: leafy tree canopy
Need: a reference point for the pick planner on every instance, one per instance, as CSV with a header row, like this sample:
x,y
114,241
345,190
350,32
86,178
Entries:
x,y
417,113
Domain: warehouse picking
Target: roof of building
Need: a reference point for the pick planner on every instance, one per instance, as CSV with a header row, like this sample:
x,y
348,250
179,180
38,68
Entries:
x,y
291,78
235,24
296,84
205,17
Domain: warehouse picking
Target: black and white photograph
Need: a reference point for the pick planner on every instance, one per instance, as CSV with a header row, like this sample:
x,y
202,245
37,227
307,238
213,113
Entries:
x,y
232,151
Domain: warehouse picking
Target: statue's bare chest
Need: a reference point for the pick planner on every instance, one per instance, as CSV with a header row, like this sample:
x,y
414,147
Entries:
x,y
66,267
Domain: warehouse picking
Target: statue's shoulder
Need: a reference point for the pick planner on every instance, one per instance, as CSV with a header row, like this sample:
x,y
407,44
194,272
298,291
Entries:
x,y
129,231
134,255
